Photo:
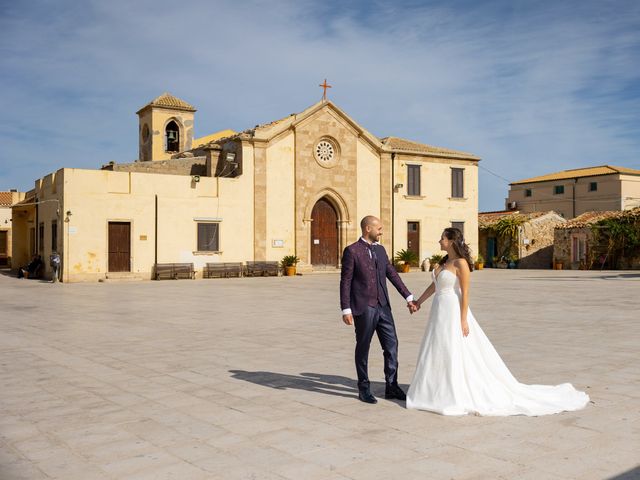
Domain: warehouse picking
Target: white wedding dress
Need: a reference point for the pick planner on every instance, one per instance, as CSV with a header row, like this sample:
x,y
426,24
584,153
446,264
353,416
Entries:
x,y
457,375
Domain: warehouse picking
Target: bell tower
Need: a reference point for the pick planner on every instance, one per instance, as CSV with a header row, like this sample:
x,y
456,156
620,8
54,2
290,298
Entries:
x,y
165,127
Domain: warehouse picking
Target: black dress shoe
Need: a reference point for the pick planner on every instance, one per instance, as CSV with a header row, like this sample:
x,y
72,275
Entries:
x,y
367,397
394,391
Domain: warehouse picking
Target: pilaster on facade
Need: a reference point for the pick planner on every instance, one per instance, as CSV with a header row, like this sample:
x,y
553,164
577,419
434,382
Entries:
x,y
260,202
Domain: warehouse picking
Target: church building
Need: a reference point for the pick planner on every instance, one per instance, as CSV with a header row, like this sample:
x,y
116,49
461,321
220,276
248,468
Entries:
x,y
296,186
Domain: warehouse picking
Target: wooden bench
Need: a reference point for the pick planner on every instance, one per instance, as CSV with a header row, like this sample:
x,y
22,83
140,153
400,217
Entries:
x,y
223,270
263,269
174,271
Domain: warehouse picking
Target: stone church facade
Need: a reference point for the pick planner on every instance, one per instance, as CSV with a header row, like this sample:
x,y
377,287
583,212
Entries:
x,y
298,185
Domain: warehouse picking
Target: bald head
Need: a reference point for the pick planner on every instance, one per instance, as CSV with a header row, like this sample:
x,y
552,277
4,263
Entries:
x,y
371,228
368,220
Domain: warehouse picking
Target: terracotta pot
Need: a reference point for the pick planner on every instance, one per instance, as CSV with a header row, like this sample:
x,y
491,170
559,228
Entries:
x,y
406,268
479,265
558,266
289,271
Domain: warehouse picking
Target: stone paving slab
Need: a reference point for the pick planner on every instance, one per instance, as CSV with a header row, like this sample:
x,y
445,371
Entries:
x,y
253,379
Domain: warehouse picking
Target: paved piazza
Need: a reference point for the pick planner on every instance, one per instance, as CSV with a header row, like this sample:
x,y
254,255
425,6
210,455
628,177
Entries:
x,y
254,379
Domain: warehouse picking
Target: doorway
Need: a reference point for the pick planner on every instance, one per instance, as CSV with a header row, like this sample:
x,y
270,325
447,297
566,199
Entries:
x,y
324,235
119,247
413,238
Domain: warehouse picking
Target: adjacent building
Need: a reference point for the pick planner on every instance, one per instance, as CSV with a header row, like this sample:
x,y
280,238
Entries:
x,y
7,199
574,192
578,246
298,185
529,241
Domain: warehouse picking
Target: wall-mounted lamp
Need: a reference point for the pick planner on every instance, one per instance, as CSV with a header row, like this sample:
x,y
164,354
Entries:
x,y
195,178
69,213
398,186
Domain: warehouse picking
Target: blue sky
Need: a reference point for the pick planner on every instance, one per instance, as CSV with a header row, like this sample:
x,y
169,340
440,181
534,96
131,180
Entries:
x,y
531,87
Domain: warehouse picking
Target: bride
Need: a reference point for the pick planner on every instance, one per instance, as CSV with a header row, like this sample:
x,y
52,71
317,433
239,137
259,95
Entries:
x,y
458,371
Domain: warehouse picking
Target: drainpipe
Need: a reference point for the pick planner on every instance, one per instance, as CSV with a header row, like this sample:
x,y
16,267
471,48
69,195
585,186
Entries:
x,y
155,236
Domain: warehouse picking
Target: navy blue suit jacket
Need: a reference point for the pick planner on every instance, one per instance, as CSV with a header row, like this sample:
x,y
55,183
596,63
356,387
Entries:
x,y
359,278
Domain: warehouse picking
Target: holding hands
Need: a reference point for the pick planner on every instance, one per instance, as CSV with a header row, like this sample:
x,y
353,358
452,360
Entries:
x,y
413,306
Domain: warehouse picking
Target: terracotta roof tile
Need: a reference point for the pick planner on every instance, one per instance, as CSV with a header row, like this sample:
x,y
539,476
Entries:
x,y
579,173
487,219
589,218
5,199
167,100
402,144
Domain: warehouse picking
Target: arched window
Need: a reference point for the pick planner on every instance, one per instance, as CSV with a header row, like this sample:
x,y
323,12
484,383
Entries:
x,y
172,137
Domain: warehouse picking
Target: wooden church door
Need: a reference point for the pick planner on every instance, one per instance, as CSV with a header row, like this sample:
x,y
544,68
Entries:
x,y
324,234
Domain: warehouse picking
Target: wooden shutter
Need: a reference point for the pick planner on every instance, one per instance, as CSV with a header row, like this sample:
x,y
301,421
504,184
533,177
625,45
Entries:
x,y
413,180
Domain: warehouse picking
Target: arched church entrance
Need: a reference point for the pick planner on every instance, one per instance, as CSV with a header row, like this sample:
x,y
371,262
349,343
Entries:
x,y
324,234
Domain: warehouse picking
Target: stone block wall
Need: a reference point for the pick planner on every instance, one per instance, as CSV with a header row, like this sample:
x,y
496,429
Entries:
x,y
175,166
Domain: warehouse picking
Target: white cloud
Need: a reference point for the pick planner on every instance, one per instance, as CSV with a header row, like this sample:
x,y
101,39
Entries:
x,y
530,90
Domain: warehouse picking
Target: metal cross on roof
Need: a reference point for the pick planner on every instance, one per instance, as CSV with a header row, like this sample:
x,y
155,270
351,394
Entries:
x,y
324,86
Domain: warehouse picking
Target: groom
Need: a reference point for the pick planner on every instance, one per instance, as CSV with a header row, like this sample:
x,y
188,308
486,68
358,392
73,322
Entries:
x,y
364,300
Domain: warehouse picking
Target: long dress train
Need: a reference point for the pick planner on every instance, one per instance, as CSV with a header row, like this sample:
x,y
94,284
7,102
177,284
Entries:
x,y
457,375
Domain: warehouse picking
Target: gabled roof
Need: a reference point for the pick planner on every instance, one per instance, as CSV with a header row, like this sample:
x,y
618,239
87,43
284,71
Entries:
x,y
579,173
266,131
590,218
166,100
487,219
397,144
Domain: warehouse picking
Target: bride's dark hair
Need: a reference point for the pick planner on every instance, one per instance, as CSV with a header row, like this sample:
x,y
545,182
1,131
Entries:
x,y
461,248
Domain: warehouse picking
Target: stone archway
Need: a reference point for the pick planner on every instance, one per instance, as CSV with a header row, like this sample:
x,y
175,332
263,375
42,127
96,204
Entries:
x,y
304,242
325,235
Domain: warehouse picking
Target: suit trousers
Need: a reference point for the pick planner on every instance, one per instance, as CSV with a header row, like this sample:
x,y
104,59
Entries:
x,y
376,319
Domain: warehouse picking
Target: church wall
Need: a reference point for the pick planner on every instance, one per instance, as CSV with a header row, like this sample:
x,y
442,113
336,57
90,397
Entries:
x,y
157,118
97,197
280,230
434,209
338,181
368,182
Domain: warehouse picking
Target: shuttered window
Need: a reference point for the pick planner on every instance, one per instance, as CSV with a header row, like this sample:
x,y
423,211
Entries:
x,y
208,237
413,180
457,182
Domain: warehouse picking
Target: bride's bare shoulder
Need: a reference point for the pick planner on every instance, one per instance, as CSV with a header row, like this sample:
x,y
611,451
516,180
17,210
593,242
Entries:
x,y
461,264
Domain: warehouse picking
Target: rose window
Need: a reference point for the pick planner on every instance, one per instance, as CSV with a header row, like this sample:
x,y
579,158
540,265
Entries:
x,y
325,151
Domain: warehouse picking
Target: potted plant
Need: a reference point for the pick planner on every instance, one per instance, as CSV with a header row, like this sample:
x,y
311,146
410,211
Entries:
x,y
434,260
513,260
289,262
502,262
479,263
405,258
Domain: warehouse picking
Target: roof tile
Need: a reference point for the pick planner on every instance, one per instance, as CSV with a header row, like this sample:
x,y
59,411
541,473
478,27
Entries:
x,y
579,173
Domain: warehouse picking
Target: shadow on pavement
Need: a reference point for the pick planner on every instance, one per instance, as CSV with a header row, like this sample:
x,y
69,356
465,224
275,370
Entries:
x,y
632,474
312,382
